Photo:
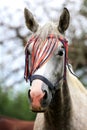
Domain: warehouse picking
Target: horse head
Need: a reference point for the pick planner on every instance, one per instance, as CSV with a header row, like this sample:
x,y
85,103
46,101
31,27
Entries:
x,y
46,59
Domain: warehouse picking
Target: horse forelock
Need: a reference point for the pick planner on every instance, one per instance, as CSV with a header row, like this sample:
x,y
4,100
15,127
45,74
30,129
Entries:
x,y
48,28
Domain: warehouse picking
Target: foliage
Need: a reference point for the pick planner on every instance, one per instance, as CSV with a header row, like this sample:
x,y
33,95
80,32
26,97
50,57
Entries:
x,y
17,107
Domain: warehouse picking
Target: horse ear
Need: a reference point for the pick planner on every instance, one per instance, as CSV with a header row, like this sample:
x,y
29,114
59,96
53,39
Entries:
x,y
30,21
64,21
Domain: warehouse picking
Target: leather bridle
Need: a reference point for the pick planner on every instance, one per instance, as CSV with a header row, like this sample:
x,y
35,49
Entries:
x,y
48,50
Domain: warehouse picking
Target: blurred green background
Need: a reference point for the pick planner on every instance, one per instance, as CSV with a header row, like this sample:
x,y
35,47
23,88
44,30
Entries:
x,y
17,107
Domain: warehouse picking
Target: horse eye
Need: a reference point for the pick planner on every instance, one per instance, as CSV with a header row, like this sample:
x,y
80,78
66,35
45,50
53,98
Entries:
x,y
60,52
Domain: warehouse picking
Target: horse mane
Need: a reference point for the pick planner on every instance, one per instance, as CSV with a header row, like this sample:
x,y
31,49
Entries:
x,y
72,80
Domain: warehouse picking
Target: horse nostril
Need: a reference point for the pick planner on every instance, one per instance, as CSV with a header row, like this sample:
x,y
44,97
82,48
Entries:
x,y
45,95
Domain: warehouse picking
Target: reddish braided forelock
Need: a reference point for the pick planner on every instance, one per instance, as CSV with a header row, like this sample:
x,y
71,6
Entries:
x,y
45,50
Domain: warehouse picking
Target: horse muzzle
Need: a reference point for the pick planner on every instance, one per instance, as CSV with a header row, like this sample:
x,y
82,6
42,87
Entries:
x,y
40,96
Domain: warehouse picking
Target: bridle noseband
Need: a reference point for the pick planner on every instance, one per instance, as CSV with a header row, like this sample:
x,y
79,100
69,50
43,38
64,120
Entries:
x,y
40,55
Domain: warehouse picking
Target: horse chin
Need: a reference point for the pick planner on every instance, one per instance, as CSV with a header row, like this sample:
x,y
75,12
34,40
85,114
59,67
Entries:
x,y
40,110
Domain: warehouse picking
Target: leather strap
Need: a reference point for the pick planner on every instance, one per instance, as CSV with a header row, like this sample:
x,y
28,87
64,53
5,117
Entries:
x,y
45,80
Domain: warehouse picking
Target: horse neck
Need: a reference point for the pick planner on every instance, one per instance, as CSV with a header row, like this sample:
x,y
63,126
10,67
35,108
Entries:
x,y
78,94
74,84
64,112
59,111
